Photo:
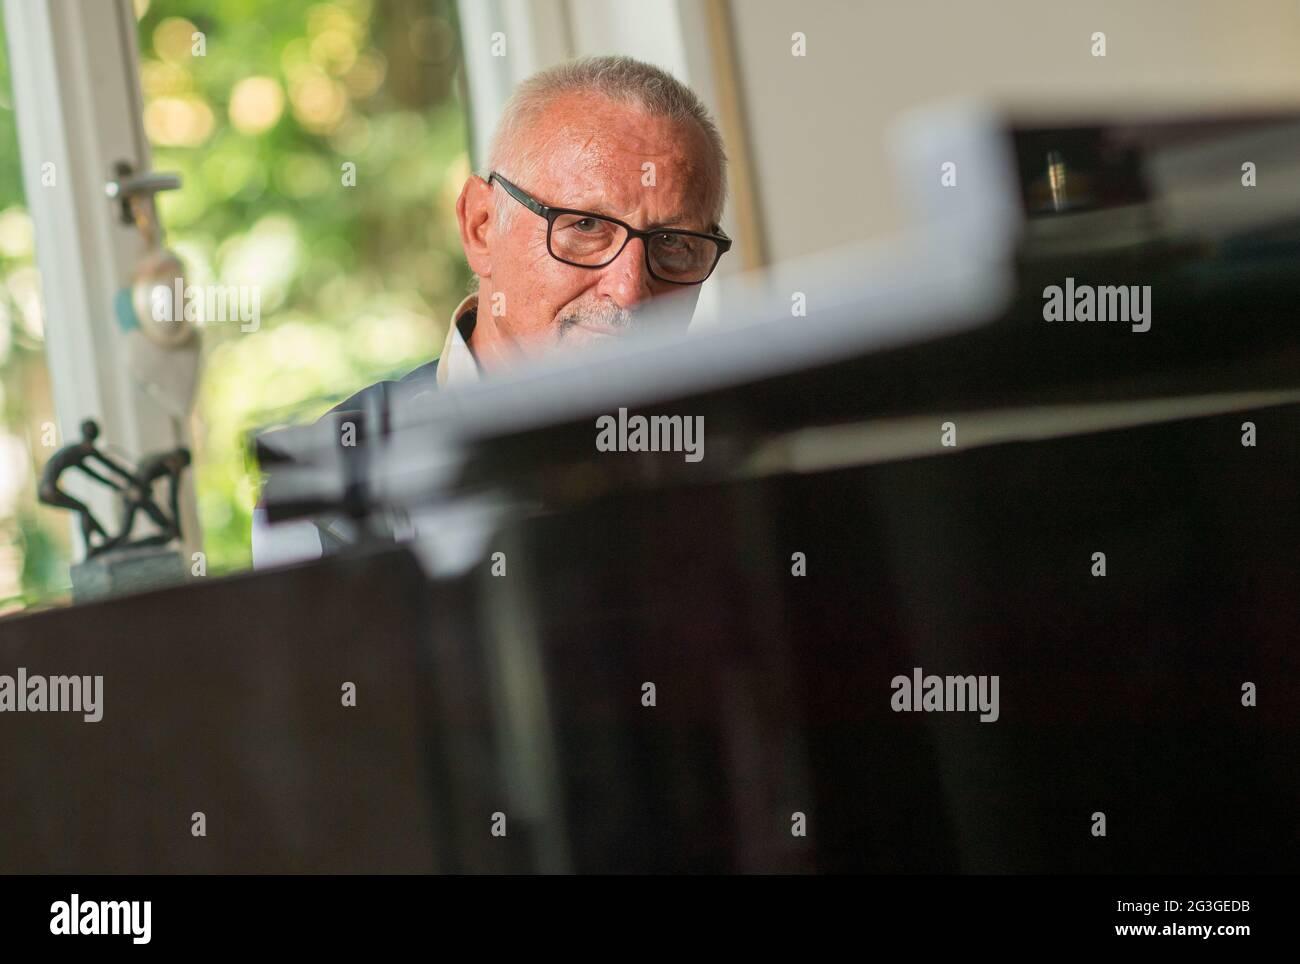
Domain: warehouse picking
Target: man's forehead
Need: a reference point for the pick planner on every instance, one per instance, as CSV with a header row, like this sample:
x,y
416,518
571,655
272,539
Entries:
x,y
595,122
617,156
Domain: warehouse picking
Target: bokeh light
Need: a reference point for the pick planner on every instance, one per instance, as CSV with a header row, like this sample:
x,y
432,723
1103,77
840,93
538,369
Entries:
x,y
256,104
178,121
173,40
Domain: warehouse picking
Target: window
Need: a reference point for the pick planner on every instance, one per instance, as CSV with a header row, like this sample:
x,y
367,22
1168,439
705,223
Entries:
x,y
34,540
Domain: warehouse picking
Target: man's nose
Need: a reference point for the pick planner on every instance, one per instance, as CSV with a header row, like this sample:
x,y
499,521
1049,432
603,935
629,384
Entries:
x,y
626,279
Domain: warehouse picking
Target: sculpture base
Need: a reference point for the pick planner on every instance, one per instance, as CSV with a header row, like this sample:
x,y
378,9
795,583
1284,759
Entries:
x,y
127,570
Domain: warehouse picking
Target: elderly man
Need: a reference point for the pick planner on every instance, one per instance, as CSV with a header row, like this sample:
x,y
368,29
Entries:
x,y
605,188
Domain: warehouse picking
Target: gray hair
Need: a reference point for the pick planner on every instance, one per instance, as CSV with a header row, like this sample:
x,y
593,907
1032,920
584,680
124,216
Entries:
x,y
620,79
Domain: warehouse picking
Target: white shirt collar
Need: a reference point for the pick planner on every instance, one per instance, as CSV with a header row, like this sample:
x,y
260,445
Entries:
x,y
456,364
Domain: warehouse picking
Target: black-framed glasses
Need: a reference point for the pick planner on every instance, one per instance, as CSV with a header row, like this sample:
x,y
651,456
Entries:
x,y
587,240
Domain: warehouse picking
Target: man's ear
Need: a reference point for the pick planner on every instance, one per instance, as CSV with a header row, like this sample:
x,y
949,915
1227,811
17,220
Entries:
x,y
475,212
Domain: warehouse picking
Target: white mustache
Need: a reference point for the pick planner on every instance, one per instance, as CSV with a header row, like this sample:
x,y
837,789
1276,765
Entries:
x,y
604,317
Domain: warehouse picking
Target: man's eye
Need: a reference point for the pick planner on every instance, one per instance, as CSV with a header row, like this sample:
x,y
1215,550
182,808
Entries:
x,y
671,242
586,225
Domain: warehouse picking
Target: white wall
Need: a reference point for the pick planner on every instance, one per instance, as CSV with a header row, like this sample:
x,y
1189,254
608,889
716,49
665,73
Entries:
x,y
818,122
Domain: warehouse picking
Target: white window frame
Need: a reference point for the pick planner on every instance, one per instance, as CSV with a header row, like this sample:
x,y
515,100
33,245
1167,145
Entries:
x,y
76,89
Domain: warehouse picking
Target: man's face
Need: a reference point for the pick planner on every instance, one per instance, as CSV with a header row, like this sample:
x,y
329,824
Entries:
x,y
594,157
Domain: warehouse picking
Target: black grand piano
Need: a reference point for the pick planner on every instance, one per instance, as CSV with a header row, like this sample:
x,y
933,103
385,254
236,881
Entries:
x,y
569,659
